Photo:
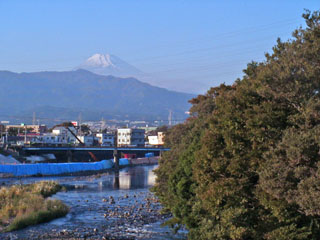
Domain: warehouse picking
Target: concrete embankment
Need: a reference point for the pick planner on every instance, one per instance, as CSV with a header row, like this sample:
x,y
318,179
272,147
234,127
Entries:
x,y
145,160
5,160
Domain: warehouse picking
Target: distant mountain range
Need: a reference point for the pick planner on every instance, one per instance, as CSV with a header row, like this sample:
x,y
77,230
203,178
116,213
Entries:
x,y
63,95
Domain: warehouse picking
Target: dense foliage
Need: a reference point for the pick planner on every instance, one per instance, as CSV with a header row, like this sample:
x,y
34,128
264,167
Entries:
x,y
246,165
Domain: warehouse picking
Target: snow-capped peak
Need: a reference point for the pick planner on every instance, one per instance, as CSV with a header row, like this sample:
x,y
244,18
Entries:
x,y
100,60
108,64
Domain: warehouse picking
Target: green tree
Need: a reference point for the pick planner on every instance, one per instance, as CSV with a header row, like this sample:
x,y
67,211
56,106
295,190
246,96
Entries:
x,y
245,165
85,129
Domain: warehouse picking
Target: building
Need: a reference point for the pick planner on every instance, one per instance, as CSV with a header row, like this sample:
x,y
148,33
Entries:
x,y
2,131
88,141
156,140
130,137
65,134
161,138
59,136
153,140
105,139
2,128
50,139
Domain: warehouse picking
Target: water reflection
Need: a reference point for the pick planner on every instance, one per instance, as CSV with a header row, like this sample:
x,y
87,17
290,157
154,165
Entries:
x,y
135,178
125,179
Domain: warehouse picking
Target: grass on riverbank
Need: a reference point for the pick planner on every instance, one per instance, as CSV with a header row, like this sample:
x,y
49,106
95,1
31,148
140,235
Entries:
x,y
24,205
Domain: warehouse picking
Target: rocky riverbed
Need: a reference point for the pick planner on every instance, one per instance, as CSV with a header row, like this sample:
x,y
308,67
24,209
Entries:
x,y
106,206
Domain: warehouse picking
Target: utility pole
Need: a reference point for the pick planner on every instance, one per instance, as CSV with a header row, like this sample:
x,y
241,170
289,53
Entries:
x,y
6,139
25,134
80,119
103,124
34,118
170,118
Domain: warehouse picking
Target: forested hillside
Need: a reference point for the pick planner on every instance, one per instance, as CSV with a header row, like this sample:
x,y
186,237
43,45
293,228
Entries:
x,y
66,94
245,165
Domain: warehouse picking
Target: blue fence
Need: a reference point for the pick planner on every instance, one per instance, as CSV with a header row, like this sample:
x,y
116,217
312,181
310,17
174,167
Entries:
x,y
149,155
123,161
54,168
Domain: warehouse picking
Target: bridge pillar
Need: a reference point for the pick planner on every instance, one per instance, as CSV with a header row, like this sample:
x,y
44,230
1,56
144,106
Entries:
x,y
69,156
116,158
116,183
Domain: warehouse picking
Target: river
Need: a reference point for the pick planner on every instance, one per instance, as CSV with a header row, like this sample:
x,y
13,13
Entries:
x,y
103,206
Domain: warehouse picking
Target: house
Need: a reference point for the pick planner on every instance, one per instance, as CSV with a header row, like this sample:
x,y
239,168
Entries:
x,y
105,139
130,137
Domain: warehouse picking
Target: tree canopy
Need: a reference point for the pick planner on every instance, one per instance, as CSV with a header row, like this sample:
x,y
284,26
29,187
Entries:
x,y
245,165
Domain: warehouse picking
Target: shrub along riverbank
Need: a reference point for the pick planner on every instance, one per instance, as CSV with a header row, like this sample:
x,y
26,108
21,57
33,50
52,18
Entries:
x,y
25,205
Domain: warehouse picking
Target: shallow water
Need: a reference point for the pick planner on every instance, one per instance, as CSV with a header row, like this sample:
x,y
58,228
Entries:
x,y
110,204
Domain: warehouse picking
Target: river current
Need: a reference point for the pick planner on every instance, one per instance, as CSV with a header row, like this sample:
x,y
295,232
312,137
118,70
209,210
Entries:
x,y
103,206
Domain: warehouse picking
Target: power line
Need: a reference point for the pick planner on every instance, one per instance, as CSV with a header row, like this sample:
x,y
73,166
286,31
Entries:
x,y
230,34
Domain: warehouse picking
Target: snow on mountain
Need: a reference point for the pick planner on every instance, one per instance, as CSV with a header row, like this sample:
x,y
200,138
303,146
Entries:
x,y
107,64
100,60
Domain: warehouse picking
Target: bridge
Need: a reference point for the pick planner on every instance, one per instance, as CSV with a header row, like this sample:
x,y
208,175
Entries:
x,y
81,154
148,149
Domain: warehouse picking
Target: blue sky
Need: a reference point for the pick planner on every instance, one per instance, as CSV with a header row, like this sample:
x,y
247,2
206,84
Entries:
x,y
185,45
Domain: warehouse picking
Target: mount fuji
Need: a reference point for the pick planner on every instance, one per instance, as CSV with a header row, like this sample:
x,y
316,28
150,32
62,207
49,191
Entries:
x,y
107,64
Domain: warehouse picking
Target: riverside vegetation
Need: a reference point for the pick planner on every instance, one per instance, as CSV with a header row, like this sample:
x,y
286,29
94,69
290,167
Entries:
x,y
24,205
246,164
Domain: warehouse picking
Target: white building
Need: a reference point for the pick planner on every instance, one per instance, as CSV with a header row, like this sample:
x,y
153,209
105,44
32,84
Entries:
x,y
156,140
105,139
153,140
50,139
130,137
59,136
64,133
